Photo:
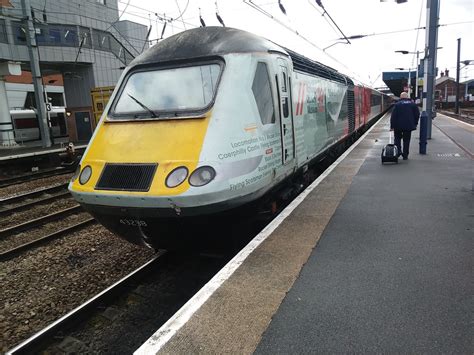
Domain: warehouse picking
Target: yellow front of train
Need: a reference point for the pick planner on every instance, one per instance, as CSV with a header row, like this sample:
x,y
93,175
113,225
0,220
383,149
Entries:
x,y
160,153
148,145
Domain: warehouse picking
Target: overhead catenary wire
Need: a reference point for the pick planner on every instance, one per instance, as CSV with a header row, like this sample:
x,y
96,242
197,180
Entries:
x,y
180,13
266,13
417,35
320,4
310,2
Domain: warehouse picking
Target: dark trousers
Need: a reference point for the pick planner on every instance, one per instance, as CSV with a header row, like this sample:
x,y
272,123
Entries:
x,y
406,136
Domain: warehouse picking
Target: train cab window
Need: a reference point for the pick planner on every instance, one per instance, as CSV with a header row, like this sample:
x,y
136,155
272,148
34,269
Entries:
x,y
263,94
167,92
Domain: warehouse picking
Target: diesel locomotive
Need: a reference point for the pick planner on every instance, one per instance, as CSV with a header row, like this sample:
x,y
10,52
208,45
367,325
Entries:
x,y
207,121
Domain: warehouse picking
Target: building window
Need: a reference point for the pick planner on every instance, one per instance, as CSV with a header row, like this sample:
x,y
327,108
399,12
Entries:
x,y
19,33
263,94
56,99
3,32
102,2
101,40
85,37
70,36
54,35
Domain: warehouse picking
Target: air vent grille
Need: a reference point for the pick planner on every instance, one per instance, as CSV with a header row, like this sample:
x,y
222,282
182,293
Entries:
x,y
126,177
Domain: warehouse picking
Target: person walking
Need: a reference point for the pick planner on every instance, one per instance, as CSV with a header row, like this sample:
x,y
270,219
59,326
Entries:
x,y
404,119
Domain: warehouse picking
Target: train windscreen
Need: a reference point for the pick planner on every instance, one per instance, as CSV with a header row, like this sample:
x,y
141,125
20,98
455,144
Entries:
x,y
167,92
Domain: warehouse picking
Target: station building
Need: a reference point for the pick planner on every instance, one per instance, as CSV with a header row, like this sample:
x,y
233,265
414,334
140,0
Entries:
x,y
445,91
82,45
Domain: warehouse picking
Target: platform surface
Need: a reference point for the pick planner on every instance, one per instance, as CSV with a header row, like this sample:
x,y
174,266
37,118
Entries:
x,y
393,269
375,259
26,151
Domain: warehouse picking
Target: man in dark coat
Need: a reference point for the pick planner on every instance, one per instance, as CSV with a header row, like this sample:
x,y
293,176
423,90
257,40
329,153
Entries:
x,y
404,119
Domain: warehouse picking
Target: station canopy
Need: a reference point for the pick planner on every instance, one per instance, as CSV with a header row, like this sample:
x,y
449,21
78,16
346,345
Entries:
x,y
397,81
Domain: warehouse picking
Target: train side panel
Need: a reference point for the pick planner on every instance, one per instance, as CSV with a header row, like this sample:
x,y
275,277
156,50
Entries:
x,y
320,114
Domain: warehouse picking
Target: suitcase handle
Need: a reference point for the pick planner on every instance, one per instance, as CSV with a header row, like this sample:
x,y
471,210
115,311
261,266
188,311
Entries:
x,y
390,139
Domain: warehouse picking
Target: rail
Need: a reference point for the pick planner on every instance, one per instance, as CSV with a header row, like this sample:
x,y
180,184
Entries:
x,y
45,336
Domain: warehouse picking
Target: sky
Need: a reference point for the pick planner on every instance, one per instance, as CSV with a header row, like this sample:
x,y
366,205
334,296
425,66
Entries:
x,y
389,27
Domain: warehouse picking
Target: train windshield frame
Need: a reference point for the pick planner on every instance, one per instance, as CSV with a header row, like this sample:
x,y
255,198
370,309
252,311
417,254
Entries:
x,y
168,92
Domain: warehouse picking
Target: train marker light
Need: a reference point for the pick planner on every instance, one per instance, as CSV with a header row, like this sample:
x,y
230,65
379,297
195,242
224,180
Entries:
x,y
202,176
85,175
176,177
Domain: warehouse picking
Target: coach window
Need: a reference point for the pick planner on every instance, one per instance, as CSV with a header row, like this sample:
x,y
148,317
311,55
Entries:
x,y
263,94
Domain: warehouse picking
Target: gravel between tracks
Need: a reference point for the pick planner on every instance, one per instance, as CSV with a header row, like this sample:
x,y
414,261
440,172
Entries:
x,y
36,212
24,187
44,284
35,233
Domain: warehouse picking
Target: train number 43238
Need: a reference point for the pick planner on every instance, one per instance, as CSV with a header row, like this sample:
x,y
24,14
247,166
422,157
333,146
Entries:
x,y
133,222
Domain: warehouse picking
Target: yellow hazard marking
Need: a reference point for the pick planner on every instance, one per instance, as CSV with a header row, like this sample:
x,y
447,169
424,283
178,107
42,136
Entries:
x,y
169,143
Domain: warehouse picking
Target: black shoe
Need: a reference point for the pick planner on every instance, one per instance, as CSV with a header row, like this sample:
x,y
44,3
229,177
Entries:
x,y
405,158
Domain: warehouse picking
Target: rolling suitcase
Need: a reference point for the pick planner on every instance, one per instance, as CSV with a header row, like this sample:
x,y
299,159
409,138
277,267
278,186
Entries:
x,y
390,152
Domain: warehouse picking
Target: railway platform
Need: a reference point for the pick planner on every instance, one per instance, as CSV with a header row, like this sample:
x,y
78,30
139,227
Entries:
x,y
26,151
370,258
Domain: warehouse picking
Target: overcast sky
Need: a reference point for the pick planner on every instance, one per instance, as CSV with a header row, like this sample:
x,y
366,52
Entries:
x,y
364,59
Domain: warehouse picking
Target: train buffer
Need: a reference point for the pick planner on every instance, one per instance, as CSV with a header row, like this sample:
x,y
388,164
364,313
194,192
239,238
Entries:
x,y
374,259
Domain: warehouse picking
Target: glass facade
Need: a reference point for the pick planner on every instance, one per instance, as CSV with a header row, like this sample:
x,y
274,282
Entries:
x,y
68,36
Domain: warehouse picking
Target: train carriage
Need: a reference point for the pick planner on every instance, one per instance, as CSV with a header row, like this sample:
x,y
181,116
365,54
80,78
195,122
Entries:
x,y
208,121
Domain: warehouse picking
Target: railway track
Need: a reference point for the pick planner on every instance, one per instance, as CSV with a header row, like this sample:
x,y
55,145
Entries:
x,y
27,200
134,307
39,221
14,180
13,252
466,119
10,232
46,336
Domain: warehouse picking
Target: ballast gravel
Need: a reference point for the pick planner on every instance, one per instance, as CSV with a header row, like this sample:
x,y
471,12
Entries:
x,y
47,282
36,212
29,186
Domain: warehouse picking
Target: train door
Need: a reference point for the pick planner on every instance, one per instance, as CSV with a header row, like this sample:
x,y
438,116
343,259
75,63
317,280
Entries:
x,y
286,114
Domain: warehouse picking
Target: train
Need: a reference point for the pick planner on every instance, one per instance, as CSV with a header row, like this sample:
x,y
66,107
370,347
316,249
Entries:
x,y
208,122
25,119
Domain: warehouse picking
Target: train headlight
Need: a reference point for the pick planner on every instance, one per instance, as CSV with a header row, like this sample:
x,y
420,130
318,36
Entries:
x,y
177,176
76,173
86,174
202,176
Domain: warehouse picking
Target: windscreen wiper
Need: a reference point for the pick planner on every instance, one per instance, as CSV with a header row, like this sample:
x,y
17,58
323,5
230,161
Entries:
x,y
153,114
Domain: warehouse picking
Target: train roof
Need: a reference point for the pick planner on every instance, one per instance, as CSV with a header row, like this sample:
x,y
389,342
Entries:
x,y
206,42
214,41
